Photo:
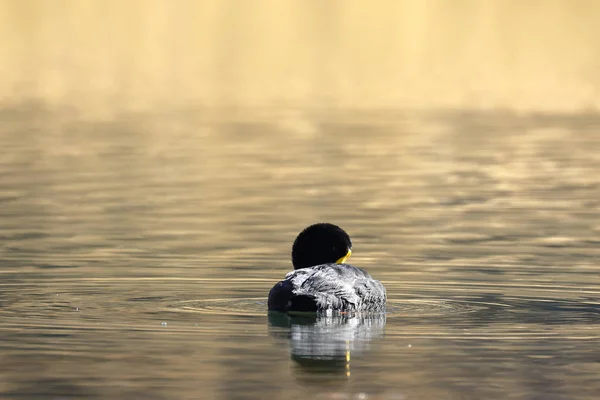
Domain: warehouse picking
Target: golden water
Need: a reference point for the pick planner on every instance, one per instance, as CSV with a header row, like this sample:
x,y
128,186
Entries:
x,y
137,254
157,159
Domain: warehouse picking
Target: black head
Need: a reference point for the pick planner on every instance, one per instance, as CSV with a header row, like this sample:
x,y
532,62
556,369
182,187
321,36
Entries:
x,y
321,244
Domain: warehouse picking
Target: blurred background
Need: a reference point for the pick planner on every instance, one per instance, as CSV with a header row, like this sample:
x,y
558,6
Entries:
x,y
102,56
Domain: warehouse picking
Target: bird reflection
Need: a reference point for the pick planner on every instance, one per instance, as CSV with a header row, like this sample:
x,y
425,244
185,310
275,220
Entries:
x,y
327,343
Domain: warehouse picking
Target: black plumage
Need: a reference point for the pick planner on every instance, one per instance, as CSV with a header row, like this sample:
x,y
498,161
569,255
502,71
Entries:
x,y
321,281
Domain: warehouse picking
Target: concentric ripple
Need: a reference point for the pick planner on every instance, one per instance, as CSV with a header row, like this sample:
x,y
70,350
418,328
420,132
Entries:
x,y
251,306
397,307
448,309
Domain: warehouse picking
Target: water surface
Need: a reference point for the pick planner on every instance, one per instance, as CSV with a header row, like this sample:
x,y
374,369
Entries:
x,y
137,253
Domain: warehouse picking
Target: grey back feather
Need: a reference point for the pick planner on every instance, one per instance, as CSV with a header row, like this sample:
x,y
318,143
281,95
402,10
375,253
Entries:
x,y
339,286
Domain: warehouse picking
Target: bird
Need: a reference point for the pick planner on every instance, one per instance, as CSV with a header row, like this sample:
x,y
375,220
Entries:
x,y
321,280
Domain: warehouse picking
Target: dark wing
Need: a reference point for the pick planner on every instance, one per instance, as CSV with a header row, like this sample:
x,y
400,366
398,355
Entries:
x,y
280,295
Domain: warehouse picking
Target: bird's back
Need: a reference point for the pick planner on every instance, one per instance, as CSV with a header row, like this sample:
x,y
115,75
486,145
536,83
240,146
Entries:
x,y
340,287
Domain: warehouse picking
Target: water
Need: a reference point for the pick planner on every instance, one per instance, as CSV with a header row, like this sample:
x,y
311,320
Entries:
x,y
137,254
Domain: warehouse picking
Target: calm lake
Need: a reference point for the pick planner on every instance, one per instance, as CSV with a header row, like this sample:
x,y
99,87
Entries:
x,y
137,253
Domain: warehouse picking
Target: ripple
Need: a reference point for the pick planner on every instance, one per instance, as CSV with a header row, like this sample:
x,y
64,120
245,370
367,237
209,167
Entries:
x,y
395,307
419,309
250,306
435,307
419,306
